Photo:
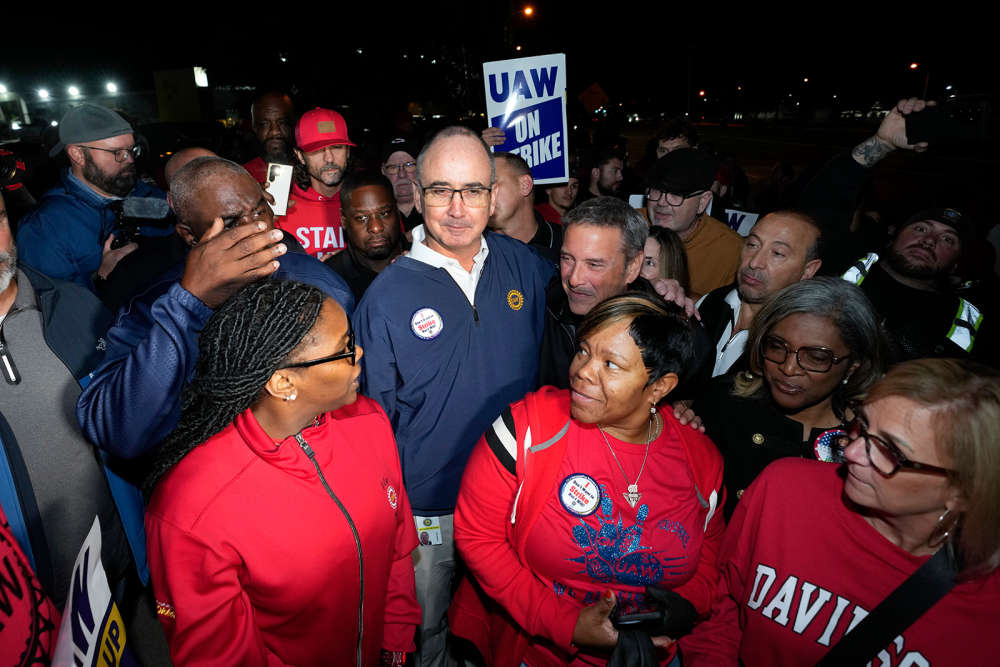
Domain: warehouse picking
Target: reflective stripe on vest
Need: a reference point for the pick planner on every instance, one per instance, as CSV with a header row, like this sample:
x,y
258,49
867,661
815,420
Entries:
x,y
966,325
859,271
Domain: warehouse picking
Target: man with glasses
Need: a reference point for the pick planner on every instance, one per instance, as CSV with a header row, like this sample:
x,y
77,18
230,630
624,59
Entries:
x,y
133,399
677,197
323,151
451,335
69,235
399,165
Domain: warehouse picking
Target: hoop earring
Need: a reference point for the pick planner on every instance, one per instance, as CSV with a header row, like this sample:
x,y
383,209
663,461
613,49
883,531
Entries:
x,y
941,531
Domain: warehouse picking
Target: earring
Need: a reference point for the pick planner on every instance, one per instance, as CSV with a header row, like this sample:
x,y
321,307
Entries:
x,y
652,409
291,397
844,381
941,532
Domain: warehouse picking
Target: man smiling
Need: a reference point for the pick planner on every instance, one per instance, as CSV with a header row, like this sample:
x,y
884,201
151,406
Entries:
x,y
450,334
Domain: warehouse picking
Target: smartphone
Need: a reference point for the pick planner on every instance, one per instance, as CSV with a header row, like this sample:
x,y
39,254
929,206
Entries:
x,y
279,184
934,126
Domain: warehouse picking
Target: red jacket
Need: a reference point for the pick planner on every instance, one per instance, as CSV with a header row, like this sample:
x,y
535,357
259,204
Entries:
x,y
507,602
252,561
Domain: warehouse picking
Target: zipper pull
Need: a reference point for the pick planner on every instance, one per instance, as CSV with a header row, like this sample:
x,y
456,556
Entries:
x,y
475,314
7,365
304,445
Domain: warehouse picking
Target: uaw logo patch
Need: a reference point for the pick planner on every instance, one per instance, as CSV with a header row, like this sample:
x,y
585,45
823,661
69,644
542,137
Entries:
x,y
515,300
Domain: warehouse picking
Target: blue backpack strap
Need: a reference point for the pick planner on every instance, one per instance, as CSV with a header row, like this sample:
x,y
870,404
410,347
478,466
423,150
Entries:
x,y
21,509
129,502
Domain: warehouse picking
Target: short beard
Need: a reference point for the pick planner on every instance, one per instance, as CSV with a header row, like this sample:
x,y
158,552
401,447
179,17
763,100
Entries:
x,y
606,191
384,252
8,267
905,267
319,174
118,185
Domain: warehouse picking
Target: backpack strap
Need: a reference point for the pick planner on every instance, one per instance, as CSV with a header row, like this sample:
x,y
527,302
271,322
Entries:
x,y
898,611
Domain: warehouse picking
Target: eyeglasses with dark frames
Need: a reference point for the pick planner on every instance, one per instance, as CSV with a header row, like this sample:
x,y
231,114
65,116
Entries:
x,y
885,457
121,154
809,358
350,352
672,198
474,197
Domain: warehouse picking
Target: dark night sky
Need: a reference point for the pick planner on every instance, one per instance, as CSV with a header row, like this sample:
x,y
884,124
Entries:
x,y
639,58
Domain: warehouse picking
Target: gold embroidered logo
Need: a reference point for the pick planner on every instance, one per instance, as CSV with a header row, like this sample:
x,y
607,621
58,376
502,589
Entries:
x,y
326,126
515,299
164,609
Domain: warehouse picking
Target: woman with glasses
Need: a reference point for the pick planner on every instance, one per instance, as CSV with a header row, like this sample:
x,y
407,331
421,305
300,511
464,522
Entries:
x,y
278,529
812,549
814,346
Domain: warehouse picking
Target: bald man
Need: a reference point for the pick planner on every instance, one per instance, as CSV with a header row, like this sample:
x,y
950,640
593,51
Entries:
x,y
181,158
273,118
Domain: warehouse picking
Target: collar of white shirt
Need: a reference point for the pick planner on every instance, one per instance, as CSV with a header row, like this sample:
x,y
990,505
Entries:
x,y
466,280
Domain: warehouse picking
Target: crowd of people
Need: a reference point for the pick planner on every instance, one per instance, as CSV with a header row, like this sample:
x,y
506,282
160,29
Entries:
x,y
432,413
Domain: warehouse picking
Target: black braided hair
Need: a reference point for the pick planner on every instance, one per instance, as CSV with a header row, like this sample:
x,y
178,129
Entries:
x,y
244,342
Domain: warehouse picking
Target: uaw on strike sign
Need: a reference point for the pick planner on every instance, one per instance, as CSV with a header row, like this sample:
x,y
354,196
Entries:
x,y
526,97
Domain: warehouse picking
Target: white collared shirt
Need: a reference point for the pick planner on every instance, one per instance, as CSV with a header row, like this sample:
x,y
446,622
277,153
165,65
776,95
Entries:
x,y
729,347
466,280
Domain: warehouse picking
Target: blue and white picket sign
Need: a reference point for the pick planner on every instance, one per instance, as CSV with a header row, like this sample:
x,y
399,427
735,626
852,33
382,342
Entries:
x,y
526,97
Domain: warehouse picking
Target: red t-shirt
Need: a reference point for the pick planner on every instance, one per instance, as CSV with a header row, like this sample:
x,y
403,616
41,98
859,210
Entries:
x,y
616,546
799,568
314,221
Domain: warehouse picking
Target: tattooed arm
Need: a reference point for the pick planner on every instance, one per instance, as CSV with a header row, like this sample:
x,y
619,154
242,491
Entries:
x,y
891,134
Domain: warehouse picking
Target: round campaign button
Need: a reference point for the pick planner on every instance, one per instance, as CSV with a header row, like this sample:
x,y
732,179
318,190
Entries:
x,y
579,494
426,324
826,448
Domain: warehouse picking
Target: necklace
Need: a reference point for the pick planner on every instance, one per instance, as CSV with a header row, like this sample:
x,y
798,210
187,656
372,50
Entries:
x,y
632,495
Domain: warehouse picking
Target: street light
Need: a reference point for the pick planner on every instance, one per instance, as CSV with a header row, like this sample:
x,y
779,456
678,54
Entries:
x,y
529,10
43,94
111,87
73,91
914,65
3,89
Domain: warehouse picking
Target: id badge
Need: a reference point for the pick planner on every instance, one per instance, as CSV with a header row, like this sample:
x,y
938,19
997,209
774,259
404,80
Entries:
x,y
428,529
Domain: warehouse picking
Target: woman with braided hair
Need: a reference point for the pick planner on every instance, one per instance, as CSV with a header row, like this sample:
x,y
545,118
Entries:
x,y
278,528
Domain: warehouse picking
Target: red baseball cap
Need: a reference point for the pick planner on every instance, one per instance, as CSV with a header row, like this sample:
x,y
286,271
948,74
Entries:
x,y
320,128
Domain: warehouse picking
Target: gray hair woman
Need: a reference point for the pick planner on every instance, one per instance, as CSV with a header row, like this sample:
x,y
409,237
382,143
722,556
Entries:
x,y
814,346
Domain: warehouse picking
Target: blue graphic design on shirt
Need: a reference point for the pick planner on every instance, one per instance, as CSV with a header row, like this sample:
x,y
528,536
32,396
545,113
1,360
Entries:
x,y
615,553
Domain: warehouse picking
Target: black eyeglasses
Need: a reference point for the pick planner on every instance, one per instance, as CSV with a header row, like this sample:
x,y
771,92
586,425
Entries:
x,y
814,359
474,197
350,352
673,198
409,166
885,456
121,154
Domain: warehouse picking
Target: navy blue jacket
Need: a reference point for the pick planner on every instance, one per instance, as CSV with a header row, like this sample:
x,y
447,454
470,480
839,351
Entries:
x,y
64,237
133,400
442,391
